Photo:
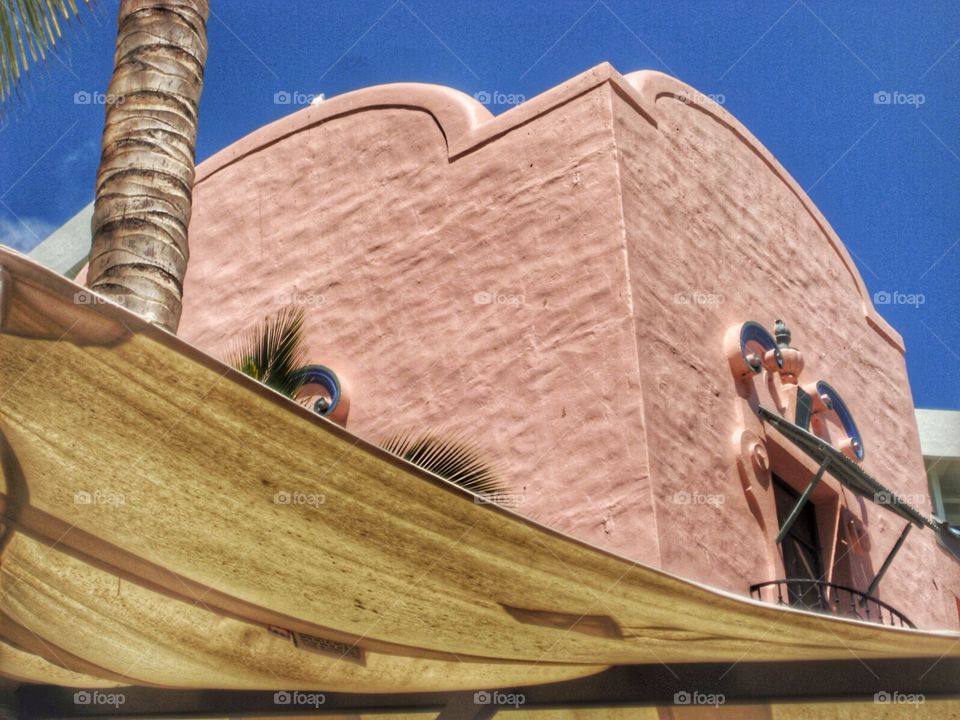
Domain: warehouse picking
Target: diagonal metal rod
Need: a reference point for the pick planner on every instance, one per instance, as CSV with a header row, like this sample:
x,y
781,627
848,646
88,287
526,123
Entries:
x,y
801,501
886,563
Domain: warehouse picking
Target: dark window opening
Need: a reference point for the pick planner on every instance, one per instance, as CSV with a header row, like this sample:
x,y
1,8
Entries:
x,y
802,556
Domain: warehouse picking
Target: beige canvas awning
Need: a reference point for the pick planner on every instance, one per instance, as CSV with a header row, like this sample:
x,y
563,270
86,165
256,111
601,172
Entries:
x,y
148,540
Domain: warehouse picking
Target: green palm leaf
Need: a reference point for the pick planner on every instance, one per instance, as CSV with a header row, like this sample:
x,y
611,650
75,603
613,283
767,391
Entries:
x,y
455,459
28,30
273,352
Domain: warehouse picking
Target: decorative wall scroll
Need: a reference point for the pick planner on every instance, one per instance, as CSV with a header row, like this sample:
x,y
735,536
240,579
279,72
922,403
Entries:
x,y
754,349
817,407
831,400
328,395
753,466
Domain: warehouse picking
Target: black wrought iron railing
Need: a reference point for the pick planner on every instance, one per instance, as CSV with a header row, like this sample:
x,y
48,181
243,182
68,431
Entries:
x,y
829,598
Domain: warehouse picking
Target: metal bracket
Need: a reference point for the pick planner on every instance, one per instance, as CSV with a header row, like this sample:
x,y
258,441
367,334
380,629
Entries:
x,y
804,409
886,563
802,500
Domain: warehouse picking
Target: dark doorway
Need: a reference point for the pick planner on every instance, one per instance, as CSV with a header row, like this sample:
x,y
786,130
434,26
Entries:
x,y
802,557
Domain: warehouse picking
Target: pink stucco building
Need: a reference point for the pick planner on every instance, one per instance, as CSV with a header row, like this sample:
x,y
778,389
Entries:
x,y
567,283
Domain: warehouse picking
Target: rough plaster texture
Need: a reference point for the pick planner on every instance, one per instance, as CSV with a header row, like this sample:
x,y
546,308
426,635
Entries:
x,y
520,278
727,229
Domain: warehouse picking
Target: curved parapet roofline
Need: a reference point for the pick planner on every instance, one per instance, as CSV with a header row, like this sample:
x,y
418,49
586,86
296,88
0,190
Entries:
x,y
456,114
653,85
466,125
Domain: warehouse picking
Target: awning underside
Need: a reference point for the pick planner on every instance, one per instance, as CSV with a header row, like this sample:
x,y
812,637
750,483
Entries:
x,y
144,544
845,470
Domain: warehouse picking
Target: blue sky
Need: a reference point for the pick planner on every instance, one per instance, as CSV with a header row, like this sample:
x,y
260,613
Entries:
x,y
802,75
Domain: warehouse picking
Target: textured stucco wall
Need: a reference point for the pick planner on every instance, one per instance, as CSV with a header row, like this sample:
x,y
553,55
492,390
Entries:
x,y
394,213
388,243
717,235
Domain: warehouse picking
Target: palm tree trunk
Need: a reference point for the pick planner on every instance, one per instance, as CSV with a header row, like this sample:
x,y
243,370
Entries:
x,y
145,181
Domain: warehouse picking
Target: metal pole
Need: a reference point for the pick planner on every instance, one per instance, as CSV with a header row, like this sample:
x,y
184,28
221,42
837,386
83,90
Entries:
x,y
886,563
801,501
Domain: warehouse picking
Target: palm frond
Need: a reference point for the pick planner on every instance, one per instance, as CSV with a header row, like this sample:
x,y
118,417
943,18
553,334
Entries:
x,y
273,352
454,458
28,30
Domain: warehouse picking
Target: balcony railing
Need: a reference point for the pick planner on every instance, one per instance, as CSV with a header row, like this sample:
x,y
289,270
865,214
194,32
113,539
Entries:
x,y
829,598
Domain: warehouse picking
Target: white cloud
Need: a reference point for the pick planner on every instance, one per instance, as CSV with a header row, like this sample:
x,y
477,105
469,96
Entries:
x,y
82,155
24,234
